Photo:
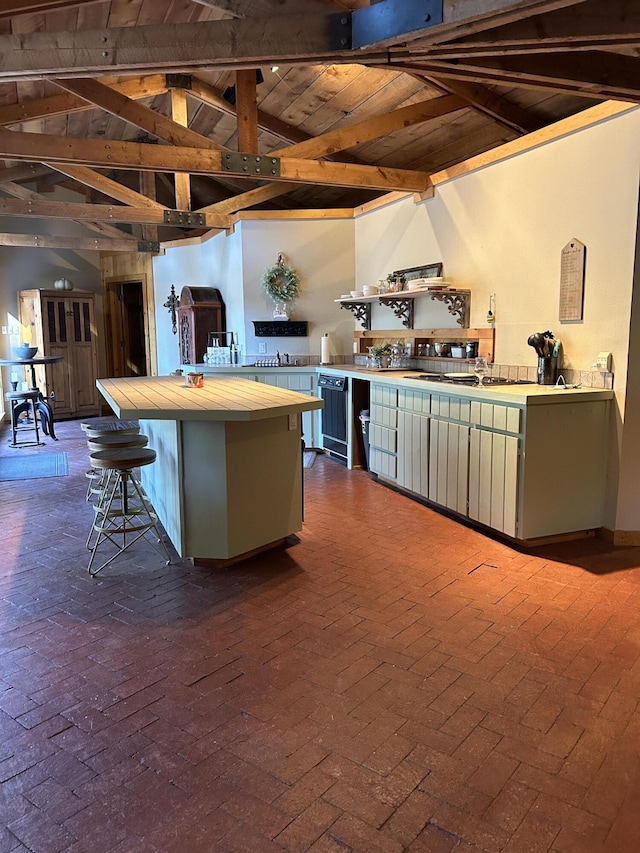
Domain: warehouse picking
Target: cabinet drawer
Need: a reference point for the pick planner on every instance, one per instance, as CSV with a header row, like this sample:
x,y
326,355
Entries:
x,y
383,438
383,463
384,416
414,401
384,395
496,416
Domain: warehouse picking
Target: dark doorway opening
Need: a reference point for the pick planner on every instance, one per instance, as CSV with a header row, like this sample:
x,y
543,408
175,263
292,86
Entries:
x,y
125,320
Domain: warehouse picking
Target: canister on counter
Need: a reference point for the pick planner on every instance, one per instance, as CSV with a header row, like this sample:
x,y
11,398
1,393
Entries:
x,y
194,380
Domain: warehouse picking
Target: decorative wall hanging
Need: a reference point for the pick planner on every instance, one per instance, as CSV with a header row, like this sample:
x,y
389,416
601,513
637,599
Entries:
x,y
282,284
172,306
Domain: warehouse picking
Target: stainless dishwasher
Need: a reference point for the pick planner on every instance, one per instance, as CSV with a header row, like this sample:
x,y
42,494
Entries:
x,y
333,391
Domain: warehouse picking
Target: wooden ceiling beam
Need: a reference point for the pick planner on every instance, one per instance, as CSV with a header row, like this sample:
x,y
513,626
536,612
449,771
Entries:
x,y
499,109
247,110
595,26
594,74
364,131
35,205
137,114
66,150
134,87
10,8
22,172
180,179
95,244
207,94
29,201
104,185
243,8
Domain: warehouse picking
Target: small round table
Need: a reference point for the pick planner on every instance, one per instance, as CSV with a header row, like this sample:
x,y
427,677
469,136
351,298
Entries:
x,y
42,404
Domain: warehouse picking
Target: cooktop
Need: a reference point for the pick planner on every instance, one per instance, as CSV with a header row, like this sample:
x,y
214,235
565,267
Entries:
x,y
467,379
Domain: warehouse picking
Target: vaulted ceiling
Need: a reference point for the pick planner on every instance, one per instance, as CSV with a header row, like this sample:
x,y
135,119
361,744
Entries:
x,y
143,105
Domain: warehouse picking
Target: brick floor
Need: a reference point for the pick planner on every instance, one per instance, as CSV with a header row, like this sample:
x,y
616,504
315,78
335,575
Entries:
x,y
393,682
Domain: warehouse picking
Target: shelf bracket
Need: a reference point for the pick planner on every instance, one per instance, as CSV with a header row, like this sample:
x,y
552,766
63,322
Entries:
x,y
402,308
361,311
457,303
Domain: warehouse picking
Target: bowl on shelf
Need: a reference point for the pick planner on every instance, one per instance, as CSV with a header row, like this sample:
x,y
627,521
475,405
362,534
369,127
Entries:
x,y
370,290
24,351
356,294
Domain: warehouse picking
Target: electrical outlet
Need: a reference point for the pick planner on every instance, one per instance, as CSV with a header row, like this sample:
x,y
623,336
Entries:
x,y
262,347
4,330
603,362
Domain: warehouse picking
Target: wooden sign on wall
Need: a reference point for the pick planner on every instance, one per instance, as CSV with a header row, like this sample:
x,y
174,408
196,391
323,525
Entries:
x,y
572,281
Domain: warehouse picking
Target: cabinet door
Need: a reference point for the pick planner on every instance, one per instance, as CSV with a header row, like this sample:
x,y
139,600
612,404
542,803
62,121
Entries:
x,y
449,465
413,452
493,480
83,362
57,341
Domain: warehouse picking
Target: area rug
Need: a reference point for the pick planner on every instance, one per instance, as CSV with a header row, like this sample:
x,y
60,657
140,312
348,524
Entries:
x,y
308,458
33,467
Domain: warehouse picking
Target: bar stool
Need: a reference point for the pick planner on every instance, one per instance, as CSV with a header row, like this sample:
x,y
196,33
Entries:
x,y
23,403
124,514
99,479
104,426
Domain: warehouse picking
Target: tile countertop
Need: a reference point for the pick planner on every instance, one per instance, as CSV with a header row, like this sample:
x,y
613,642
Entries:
x,y
525,395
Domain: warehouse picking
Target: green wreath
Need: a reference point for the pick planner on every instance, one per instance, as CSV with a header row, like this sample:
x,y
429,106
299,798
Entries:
x,y
281,282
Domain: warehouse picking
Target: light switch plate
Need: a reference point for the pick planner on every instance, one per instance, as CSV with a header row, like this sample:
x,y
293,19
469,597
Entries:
x,y
293,421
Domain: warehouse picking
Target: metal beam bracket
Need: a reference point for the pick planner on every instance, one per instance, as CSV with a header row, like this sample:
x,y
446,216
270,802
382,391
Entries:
x,y
184,219
250,164
148,246
178,81
388,19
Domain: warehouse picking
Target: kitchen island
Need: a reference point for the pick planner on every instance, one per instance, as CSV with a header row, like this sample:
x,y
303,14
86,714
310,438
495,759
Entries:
x,y
227,482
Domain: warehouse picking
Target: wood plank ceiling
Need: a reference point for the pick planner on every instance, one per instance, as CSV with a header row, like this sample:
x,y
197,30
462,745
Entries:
x,y
138,104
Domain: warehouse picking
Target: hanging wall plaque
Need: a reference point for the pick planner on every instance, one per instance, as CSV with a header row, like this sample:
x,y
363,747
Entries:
x,y
572,281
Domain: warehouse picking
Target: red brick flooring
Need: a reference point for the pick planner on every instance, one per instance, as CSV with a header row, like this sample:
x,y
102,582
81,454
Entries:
x,y
393,682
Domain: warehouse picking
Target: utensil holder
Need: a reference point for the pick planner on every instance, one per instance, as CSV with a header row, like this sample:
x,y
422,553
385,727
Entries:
x,y
547,370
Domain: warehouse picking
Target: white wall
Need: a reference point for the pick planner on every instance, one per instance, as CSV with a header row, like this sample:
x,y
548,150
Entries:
x,y
215,263
501,229
323,253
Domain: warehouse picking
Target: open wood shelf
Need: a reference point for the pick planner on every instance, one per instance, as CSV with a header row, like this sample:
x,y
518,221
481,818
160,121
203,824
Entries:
x,y
458,303
484,336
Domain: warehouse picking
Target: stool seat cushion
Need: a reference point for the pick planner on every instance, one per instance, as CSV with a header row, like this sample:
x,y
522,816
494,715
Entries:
x,y
122,459
112,440
104,425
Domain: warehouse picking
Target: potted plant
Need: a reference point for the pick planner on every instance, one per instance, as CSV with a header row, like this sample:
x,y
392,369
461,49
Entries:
x,y
381,354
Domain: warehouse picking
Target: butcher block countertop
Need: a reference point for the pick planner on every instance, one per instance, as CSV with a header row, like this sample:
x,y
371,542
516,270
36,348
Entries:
x,y
221,399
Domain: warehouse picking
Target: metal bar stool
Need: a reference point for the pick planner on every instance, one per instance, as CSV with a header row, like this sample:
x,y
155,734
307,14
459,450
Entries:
x,y
104,426
122,521
100,486
24,403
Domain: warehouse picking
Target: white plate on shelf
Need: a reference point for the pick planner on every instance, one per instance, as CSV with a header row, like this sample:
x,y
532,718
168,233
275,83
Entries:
x,y
461,376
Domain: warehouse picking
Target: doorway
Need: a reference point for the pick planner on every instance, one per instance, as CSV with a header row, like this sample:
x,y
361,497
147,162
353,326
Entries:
x,y
125,328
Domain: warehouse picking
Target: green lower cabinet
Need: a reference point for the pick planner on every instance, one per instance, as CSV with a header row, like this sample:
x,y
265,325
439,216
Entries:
x,y
449,465
493,479
413,453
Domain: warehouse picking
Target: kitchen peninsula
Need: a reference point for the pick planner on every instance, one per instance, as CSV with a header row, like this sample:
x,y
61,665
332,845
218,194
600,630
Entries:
x,y
227,482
